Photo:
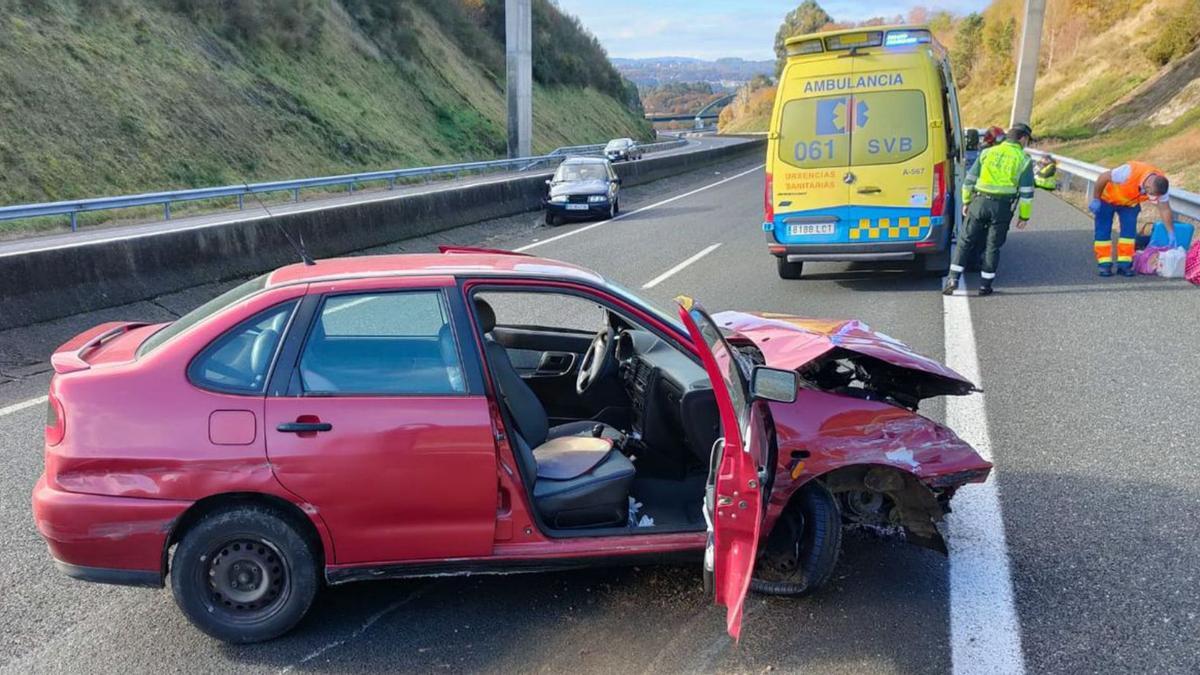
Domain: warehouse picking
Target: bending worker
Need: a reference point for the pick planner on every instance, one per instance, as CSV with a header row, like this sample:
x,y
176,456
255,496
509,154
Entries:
x,y
1000,181
1122,192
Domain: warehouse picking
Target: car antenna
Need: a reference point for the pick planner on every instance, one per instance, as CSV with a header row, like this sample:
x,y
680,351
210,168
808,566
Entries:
x,y
298,247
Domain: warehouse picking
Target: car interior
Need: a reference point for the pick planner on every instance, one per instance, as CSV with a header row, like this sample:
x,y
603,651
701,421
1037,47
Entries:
x,y
612,429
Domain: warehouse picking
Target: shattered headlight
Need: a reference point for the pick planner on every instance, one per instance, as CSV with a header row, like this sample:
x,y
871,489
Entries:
x,y
559,199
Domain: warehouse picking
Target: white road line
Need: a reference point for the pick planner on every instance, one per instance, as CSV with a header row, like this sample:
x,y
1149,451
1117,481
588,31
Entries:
x,y
985,636
626,214
10,409
671,272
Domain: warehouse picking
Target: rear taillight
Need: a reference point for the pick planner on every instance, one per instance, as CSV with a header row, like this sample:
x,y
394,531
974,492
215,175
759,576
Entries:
x,y
56,421
768,201
939,190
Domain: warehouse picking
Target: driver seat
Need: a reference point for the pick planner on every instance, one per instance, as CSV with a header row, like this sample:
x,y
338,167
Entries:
x,y
579,479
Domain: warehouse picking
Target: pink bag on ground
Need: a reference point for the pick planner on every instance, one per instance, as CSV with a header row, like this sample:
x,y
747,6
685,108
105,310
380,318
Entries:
x,y
1191,270
1145,261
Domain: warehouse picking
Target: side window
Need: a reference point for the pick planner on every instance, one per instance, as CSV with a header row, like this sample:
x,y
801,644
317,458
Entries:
x,y
396,343
540,310
239,361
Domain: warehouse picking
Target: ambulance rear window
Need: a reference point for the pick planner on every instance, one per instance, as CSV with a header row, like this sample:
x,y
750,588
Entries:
x,y
882,127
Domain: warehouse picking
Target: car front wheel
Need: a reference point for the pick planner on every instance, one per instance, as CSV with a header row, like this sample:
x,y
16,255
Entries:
x,y
803,547
244,574
789,270
552,220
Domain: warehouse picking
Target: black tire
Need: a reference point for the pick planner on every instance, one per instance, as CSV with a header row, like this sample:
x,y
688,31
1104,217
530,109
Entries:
x,y
275,581
802,550
789,270
552,220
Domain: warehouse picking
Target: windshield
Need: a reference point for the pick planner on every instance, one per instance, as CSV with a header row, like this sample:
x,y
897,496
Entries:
x,y
569,173
202,312
628,296
617,144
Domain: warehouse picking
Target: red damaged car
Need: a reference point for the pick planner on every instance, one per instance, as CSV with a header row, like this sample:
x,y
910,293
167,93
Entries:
x,y
399,416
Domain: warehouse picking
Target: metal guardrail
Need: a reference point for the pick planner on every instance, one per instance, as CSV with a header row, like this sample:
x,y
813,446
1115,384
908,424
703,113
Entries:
x,y
1183,202
73,208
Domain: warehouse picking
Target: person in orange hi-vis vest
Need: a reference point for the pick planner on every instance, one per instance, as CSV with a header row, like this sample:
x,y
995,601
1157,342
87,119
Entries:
x,y
1120,192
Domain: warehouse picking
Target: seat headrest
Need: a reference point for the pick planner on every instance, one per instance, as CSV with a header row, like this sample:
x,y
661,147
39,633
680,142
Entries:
x,y
487,316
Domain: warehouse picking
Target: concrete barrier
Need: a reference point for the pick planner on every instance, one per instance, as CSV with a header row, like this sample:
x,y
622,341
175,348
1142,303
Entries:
x,y
50,284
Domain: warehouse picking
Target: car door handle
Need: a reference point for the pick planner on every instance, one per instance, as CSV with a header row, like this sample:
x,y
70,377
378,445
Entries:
x,y
304,427
869,190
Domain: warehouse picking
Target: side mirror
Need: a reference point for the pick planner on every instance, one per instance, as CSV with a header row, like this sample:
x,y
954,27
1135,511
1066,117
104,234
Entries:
x,y
774,384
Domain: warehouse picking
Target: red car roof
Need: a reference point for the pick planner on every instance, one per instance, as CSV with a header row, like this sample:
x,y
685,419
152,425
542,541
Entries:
x,y
452,262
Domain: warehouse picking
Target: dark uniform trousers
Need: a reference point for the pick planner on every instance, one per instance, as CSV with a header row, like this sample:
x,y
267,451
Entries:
x,y
988,220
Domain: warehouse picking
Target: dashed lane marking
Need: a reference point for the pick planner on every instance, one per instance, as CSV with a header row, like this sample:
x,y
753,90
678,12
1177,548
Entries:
x,y
671,272
626,214
17,407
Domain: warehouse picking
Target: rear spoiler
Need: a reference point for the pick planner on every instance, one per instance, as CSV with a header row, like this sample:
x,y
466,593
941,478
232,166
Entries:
x,y
69,357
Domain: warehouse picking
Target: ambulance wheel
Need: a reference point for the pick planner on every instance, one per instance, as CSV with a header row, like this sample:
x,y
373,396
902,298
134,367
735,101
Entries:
x,y
934,264
789,270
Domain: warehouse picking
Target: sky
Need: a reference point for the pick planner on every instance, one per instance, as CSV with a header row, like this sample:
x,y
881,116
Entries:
x,y
710,29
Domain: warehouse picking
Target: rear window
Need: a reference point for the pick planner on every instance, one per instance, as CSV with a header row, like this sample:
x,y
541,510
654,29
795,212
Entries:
x,y
233,295
885,127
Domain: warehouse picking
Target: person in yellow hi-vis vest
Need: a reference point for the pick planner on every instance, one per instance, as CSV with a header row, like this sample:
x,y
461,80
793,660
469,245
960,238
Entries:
x,y
999,182
1120,192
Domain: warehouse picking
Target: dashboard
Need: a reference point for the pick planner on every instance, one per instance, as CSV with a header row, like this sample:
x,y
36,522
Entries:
x,y
674,411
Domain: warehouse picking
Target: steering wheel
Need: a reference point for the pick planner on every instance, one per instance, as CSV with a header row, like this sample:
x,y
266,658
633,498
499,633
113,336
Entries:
x,y
596,361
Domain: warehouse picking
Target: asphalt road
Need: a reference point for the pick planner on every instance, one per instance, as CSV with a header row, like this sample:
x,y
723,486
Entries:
x,y
1091,420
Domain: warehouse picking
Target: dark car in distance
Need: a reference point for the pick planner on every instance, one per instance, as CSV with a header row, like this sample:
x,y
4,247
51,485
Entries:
x,y
583,187
622,149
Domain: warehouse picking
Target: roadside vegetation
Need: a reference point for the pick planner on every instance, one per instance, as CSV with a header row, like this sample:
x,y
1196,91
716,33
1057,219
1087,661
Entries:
x,y
1112,85
124,96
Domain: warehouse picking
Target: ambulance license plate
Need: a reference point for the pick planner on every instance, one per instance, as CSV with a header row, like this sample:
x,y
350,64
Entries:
x,y
807,229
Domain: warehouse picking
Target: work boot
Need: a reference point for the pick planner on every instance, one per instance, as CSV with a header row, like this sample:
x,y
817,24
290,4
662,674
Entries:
x,y
1106,270
1126,271
951,285
985,289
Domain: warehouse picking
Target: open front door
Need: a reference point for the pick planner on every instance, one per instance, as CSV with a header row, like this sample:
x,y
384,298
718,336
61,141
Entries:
x,y
734,502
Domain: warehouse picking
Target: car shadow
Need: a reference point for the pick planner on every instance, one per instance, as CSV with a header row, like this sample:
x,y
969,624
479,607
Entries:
x,y
648,619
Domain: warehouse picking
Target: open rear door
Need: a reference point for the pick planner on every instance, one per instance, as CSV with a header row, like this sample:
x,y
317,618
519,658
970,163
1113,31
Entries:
x,y
733,502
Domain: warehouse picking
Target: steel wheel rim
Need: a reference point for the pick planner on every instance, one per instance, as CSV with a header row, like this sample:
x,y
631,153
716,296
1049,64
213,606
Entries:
x,y
246,579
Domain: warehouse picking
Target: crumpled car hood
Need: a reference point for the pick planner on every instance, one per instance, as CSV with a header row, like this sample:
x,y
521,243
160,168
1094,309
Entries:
x,y
792,342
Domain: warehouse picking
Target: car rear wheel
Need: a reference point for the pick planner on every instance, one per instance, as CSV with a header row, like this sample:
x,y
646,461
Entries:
x,y
245,574
789,270
802,549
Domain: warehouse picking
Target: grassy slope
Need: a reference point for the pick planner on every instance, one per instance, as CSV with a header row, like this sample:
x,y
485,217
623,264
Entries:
x,y
96,104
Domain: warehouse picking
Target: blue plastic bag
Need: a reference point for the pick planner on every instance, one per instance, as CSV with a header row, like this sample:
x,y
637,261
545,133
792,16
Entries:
x,y
1183,234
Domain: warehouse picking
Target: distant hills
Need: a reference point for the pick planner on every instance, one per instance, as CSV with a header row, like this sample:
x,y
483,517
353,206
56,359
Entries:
x,y
723,74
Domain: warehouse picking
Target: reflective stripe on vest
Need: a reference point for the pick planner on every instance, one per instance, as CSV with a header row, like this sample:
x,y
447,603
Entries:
x,y
1129,193
1000,169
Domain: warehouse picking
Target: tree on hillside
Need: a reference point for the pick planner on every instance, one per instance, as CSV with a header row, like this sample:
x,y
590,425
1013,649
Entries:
x,y
1000,39
966,46
808,17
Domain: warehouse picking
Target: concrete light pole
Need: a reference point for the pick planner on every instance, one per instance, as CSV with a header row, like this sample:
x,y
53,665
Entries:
x,y
1031,45
518,81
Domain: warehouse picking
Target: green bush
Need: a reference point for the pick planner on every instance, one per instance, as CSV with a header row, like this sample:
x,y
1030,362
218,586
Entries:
x,y
1178,33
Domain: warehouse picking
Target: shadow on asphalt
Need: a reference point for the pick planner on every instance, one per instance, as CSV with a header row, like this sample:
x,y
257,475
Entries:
x,y
647,619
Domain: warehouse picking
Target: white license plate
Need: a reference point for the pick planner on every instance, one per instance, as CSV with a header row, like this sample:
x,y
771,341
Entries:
x,y
577,207
806,229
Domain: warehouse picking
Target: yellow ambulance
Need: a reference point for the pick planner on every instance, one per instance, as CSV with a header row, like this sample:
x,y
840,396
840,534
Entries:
x,y
864,151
